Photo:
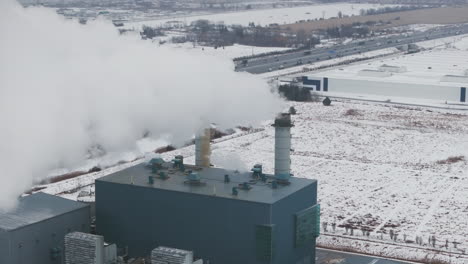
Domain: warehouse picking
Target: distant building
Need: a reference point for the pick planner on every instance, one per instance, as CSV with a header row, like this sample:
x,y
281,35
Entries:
x,y
33,233
224,217
437,76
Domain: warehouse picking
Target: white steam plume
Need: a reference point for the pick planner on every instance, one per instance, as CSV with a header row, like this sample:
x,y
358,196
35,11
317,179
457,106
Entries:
x,y
65,86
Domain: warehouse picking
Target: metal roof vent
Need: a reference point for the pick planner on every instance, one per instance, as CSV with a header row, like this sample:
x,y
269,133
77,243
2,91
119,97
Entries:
x,y
257,170
193,178
245,186
178,162
235,192
155,164
274,184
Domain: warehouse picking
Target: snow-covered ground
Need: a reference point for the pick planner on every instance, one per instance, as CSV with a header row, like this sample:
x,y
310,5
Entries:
x,y
103,160
269,16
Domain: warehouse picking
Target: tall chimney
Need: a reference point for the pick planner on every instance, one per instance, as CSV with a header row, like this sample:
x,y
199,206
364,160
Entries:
x,y
283,126
202,148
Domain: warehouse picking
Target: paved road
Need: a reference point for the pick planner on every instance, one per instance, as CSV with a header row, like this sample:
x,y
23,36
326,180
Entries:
x,y
275,62
337,257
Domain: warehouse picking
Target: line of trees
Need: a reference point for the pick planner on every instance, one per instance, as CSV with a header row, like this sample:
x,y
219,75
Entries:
x,y
388,9
203,31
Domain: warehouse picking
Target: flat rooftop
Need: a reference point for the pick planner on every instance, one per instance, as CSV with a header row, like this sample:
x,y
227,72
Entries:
x,y
212,182
36,208
427,67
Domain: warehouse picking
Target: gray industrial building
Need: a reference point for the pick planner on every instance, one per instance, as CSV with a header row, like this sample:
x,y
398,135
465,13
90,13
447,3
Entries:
x,y
33,232
224,217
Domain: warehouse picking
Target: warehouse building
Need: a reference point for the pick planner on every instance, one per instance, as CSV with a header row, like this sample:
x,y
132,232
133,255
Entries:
x,y
440,76
224,217
33,233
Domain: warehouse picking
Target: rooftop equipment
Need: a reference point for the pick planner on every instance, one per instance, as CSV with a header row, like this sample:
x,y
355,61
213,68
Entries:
x,y
165,255
257,170
178,162
283,126
202,148
194,178
82,248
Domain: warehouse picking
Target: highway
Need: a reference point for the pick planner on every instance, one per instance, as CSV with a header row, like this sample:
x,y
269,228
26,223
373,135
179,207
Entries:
x,y
296,58
324,256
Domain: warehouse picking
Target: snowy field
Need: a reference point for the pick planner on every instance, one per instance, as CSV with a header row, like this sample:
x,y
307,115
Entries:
x,y
379,167
269,16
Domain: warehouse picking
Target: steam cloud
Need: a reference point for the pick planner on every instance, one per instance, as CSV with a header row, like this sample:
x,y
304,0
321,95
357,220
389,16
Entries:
x,y
65,87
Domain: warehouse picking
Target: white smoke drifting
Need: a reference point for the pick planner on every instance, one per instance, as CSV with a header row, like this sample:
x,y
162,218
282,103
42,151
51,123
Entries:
x,y
65,87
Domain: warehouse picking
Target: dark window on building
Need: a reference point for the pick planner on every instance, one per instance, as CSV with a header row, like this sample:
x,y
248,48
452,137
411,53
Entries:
x,y
463,94
264,242
307,225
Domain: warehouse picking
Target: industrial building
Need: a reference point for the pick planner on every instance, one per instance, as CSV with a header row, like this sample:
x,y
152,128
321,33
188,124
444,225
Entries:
x,y
223,217
33,233
438,76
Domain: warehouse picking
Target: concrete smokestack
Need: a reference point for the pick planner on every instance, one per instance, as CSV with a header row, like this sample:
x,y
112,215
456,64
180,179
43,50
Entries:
x,y
283,126
202,148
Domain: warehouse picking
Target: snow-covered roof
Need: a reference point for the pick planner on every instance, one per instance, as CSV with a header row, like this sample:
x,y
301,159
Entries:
x,y
428,67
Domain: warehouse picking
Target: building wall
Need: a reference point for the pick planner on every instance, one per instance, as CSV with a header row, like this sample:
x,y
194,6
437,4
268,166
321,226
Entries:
x,y
284,218
4,247
217,229
392,89
32,243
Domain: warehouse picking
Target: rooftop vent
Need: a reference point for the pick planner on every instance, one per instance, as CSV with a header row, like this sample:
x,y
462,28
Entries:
x,y
155,164
245,186
390,68
235,191
178,162
193,178
374,73
257,170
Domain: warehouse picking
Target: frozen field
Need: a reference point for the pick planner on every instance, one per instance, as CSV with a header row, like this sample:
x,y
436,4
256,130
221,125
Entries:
x,y
269,16
379,167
